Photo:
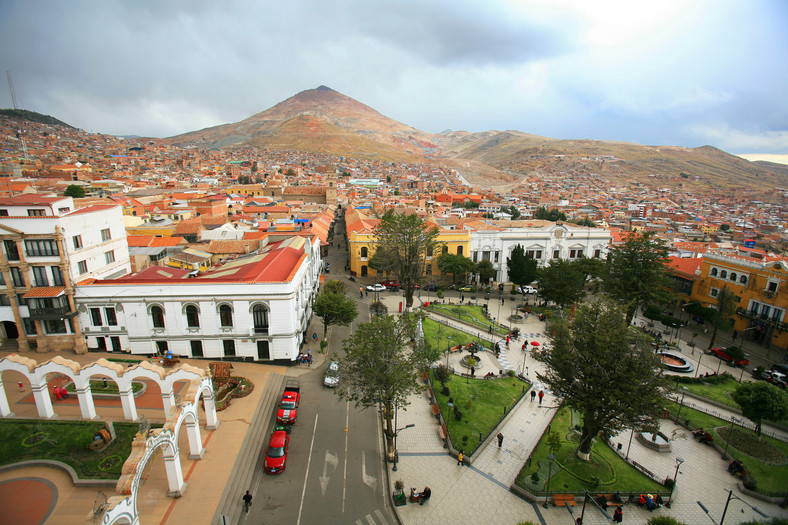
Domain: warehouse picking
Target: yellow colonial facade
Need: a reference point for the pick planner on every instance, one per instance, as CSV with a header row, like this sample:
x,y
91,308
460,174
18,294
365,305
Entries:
x,y
761,286
361,245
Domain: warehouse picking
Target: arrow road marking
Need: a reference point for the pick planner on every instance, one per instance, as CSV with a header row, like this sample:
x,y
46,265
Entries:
x,y
332,460
370,481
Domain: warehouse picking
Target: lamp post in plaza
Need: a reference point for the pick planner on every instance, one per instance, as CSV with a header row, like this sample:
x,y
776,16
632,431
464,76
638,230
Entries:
x,y
550,457
728,442
679,461
725,510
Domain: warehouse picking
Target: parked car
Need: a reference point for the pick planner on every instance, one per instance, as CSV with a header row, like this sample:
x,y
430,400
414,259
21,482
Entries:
x,y
376,288
276,455
720,352
391,285
780,367
776,378
331,378
288,407
528,290
431,287
467,288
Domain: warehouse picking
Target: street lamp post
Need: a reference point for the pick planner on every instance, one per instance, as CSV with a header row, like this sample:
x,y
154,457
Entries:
x,y
728,442
679,461
550,457
700,357
396,433
681,404
725,510
631,433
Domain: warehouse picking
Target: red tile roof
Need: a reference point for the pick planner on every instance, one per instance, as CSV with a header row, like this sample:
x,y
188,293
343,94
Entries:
x,y
45,291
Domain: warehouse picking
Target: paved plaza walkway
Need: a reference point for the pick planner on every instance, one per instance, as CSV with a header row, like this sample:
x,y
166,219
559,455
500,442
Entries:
x,y
480,493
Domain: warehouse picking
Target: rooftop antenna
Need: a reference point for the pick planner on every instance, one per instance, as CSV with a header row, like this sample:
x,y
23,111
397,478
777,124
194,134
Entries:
x,y
21,133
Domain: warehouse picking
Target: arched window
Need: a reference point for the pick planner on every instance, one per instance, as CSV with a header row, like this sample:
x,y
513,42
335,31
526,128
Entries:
x,y
714,272
723,274
260,317
459,250
225,315
429,251
445,249
733,276
743,279
363,251
192,316
157,316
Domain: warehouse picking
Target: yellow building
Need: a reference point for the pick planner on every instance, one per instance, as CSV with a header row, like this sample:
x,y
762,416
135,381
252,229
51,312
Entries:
x,y
761,284
361,244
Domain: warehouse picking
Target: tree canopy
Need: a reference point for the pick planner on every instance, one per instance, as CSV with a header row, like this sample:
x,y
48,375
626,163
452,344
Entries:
x,y
726,305
333,306
521,267
760,400
378,368
455,265
608,373
486,270
402,243
554,214
74,191
636,272
562,282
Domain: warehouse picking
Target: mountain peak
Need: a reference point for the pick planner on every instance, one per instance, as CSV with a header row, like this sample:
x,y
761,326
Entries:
x,y
321,87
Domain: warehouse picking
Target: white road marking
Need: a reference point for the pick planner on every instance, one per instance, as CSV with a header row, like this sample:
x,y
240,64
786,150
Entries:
x,y
370,481
306,474
381,518
370,520
344,476
332,460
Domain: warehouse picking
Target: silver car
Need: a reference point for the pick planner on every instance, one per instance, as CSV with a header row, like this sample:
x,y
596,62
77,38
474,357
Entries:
x,y
332,375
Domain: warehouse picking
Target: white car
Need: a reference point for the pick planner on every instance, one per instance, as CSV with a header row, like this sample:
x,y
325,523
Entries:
x,y
376,288
332,375
528,290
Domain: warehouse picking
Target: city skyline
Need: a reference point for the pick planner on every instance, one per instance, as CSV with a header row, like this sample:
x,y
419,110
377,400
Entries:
x,y
673,74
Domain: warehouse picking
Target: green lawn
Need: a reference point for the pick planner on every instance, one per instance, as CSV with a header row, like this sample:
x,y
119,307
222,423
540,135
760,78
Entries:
x,y
470,314
771,477
66,441
719,392
606,472
442,336
97,387
481,402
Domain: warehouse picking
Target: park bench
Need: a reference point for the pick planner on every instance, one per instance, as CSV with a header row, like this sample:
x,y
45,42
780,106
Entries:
x,y
560,499
435,409
442,432
611,502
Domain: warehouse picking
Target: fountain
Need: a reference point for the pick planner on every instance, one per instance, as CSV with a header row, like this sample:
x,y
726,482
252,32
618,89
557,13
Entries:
x,y
658,441
675,362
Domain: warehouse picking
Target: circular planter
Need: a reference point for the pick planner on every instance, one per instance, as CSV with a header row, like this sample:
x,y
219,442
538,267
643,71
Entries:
x,y
675,362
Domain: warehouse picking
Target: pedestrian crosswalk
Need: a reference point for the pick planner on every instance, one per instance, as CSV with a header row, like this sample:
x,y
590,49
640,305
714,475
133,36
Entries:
x,y
378,519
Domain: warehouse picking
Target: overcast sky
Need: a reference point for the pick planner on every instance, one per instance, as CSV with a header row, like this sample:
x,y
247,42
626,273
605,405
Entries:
x,y
665,72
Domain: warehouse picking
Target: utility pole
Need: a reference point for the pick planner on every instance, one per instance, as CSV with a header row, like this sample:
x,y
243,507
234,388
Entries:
x,y
21,133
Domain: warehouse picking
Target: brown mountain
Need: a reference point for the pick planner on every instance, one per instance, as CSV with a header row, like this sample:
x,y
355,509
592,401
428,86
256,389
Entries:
x,y
325,121
319,120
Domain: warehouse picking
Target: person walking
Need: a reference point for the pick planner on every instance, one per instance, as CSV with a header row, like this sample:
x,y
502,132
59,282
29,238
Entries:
x,y
533,395
500,439
541,396
618,515
460,457
425,495
473,371
21,386
247,501
361,292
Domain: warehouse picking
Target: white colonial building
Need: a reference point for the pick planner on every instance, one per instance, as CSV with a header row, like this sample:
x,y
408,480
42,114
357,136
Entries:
x,y
47,247
494,240
256,307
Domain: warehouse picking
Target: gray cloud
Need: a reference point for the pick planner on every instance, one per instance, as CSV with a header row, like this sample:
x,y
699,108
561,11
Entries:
x,y
685,75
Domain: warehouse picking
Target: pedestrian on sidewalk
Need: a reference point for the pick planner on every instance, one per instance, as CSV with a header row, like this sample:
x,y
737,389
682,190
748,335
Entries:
x,y
500,439
462,298
366,293
533,395
460,457
541,396
524,346
247,501
361,292
21,386
618,515
490,330
473,371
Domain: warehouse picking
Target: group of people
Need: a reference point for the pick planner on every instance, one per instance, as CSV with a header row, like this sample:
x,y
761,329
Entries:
x,y
421,497
702,436
736,467
60,392
305,359
650,502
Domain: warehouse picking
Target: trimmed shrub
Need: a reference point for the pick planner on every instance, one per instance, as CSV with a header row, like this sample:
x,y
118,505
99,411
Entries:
x,y
664,520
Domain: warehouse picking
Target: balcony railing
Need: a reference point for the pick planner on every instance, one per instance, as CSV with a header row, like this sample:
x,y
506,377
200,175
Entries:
x,y
49,314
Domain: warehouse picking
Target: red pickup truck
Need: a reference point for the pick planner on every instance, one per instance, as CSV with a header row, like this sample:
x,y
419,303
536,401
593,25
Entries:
x,y
288,407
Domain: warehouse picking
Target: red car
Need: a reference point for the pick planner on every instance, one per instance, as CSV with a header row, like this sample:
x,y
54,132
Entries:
x,y
390,285
276,456
288,412
720,352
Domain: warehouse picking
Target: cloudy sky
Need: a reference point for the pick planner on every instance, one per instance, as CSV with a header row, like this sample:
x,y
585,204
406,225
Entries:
x,y
685,73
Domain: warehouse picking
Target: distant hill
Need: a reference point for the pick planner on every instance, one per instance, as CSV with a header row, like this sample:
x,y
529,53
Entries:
x,y
321,120
32,116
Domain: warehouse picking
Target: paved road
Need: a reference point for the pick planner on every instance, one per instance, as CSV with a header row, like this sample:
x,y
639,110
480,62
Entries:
x,y
334,469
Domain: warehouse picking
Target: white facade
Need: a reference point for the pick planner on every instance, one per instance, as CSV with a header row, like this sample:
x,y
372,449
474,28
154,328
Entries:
x,y
545,240
224,313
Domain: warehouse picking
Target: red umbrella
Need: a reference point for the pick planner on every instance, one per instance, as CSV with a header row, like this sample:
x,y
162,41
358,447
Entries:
x,y
534,343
